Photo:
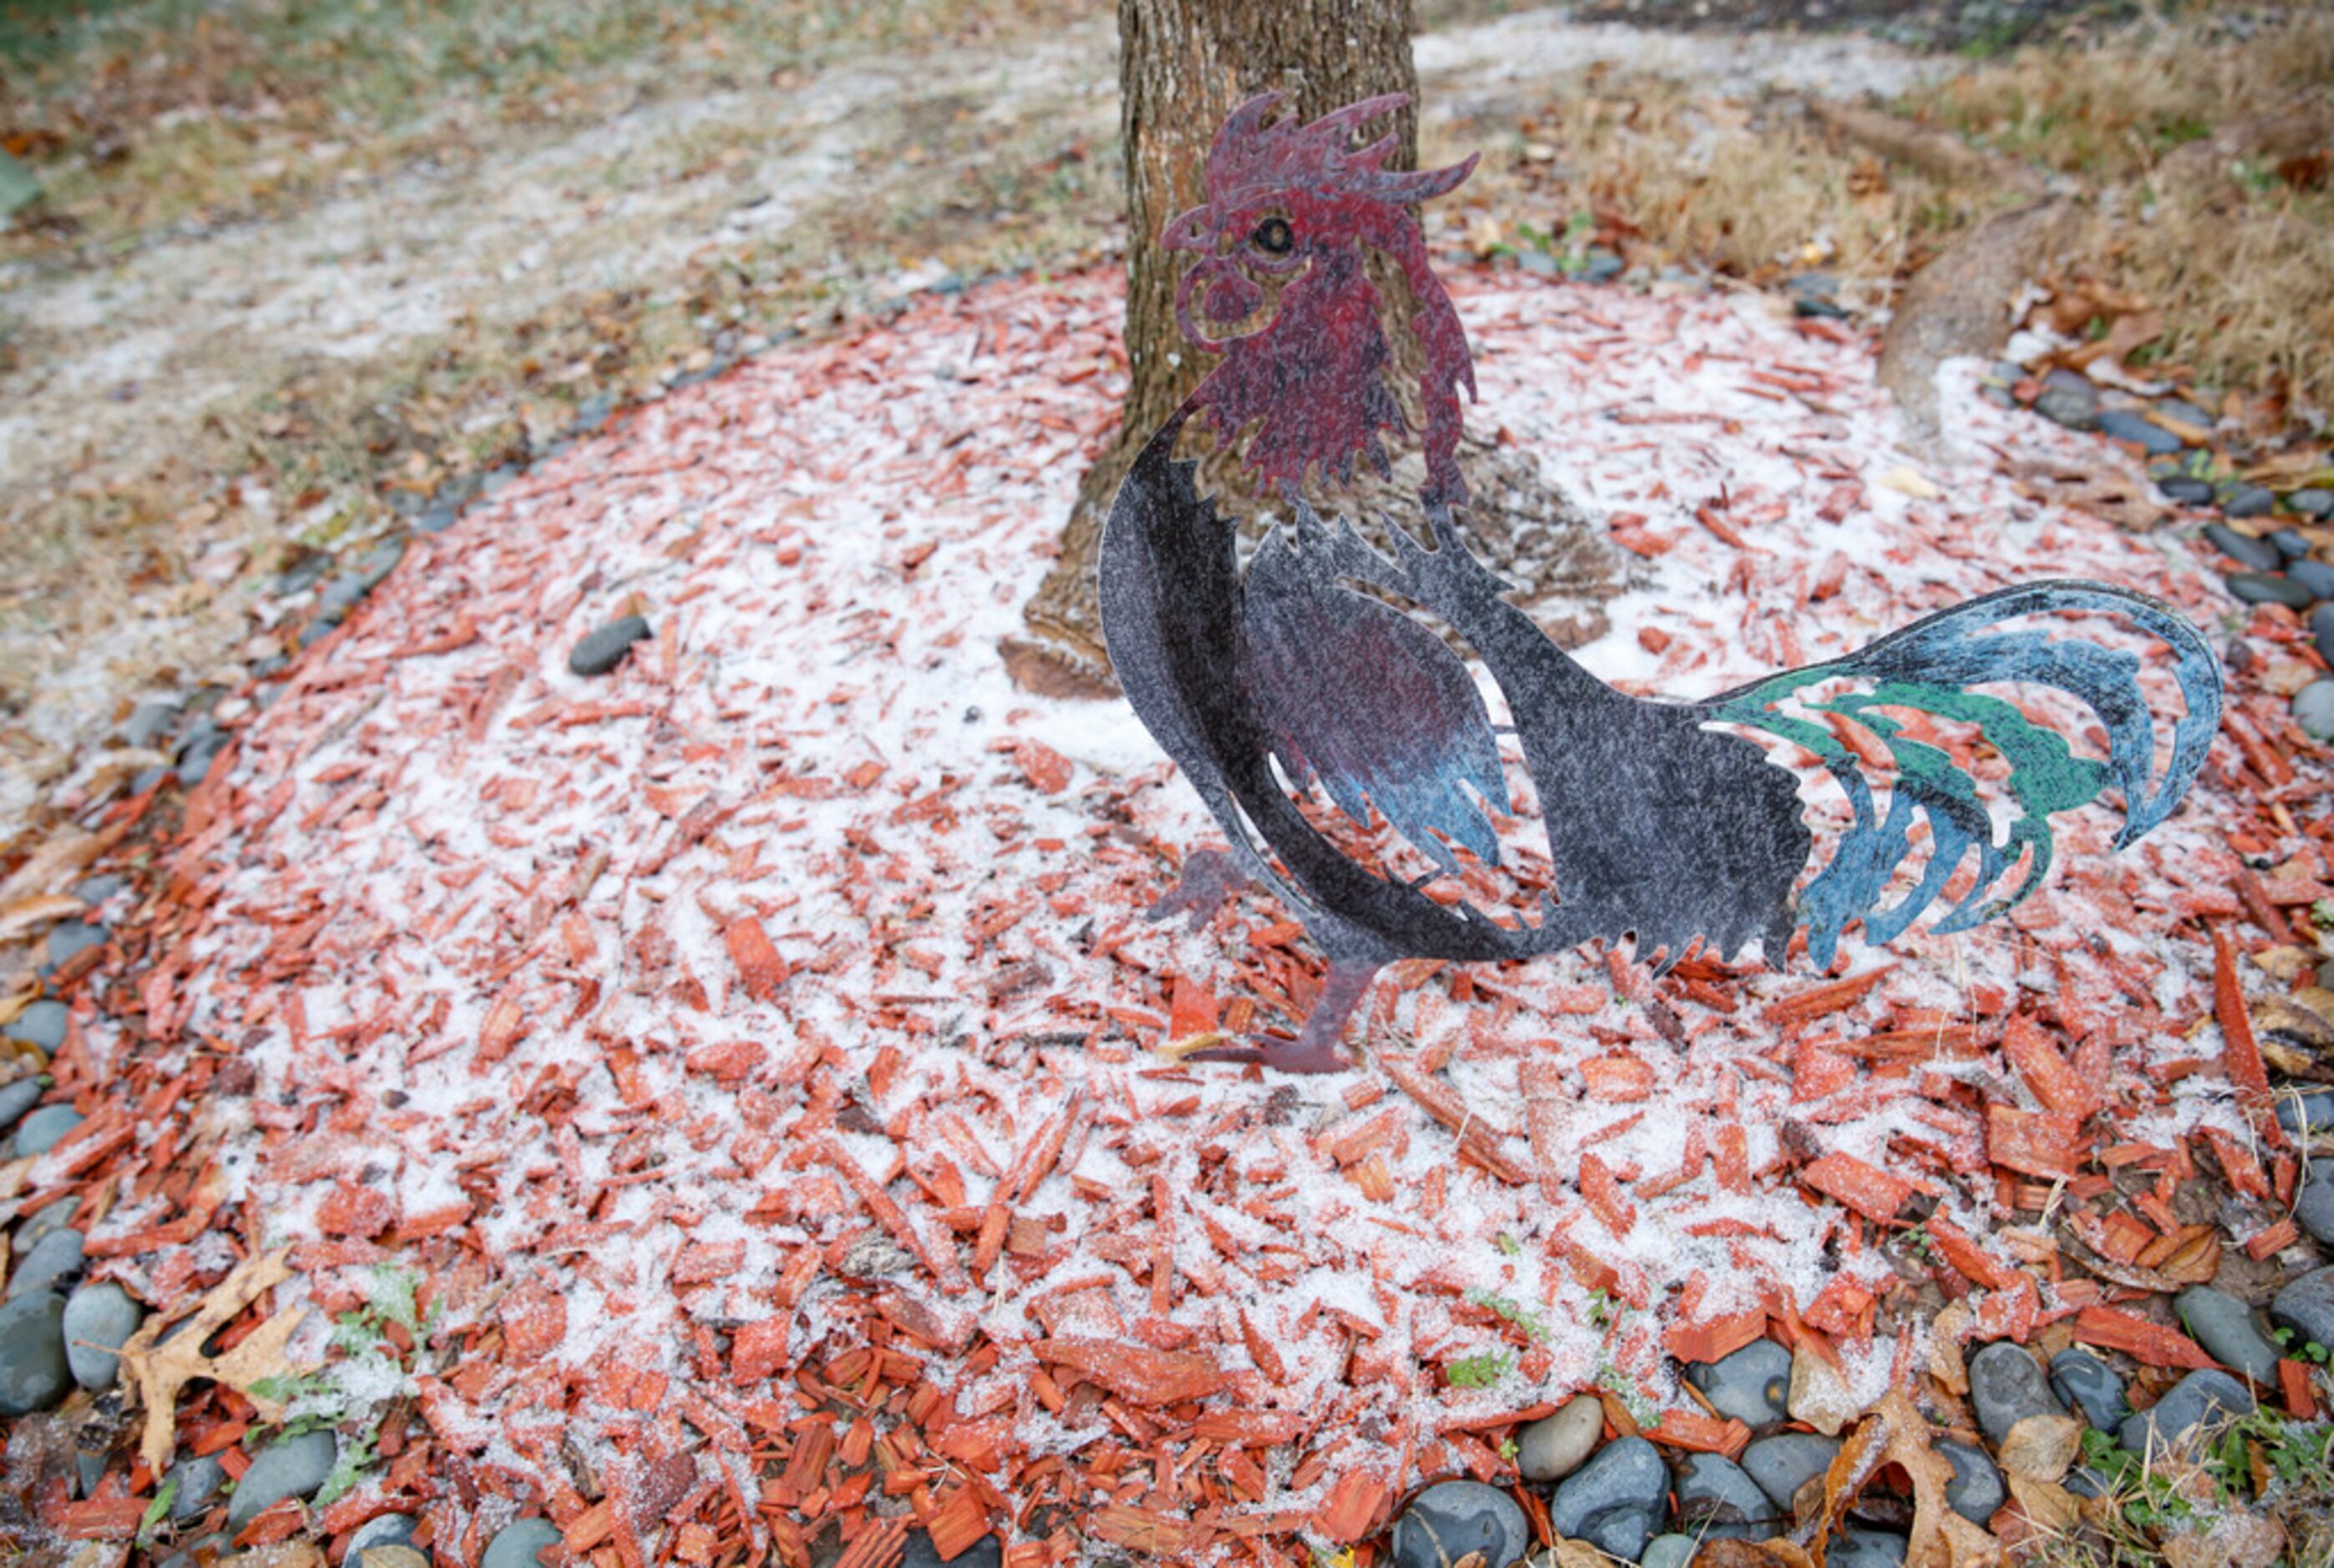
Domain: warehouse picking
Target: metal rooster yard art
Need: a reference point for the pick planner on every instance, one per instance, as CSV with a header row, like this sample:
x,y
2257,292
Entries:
x,y
1313,670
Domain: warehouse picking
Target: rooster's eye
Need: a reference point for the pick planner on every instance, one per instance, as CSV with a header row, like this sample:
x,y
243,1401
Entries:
x,y
1273,237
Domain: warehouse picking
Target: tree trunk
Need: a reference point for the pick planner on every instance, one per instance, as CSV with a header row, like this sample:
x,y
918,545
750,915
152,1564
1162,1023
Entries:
x,y
1184,66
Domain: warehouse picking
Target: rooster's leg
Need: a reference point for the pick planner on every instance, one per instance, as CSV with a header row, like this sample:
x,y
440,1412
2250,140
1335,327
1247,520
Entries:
x,y
1315,1049
1210,877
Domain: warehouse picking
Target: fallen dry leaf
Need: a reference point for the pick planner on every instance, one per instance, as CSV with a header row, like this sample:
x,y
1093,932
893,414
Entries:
x,y
1896,1433
157,1371
2130,332
1906,480
2238,1539
2302,1016
302,1555
28,915
1724,1554
2042,1446
2046,1502
65,853
1946,1333
1580,1554
2193,1255
1820,1393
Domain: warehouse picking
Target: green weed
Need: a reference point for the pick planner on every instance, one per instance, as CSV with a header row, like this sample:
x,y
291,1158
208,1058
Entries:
x,y
1480,1370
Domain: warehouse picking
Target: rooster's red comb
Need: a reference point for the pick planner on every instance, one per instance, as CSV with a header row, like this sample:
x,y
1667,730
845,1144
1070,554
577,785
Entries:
x,y
1252,159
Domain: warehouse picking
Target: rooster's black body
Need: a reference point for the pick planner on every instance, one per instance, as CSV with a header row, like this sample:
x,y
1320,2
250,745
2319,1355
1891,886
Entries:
x,y
1663,821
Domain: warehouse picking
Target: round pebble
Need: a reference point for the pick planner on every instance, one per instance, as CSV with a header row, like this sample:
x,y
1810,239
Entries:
x,y
1616,1500
515,1545
2122,425
58,1257
2306,1114
2202,1397
2249,500
1858,1547
2185,412
39,1132
384,1530
1787,1461
204,743
2313,709
2307,1307
2269,588
984,1553
18,1097
197,1482
2315,575
1668,1552
2091,1386
604,649
1752,1386
2289,544
1715,1498
2313,1209
68,939
1976,1490
2071,408
303,574
2321,630
33,1375
2225,1325
2315,505
2187,491
1451,1519
54,1216
1553,1446
2007,1386
149,721
98,1319
43,1025
287,1468
2258,554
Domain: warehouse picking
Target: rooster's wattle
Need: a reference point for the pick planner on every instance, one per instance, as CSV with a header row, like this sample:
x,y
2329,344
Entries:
x,y
1316,666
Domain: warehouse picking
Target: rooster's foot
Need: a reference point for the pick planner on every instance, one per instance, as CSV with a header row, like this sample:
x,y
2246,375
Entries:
x,y
1315,1049
1210,878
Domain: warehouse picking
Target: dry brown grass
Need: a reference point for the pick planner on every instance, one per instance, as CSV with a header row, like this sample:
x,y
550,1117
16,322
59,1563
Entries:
x,y
1757,189
2236,251
2235,244
2114,107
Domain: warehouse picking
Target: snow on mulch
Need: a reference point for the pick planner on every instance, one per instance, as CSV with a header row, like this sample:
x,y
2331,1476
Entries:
x,y
754,1047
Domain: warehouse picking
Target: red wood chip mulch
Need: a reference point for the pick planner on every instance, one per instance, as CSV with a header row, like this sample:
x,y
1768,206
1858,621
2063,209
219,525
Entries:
x,y
750,1052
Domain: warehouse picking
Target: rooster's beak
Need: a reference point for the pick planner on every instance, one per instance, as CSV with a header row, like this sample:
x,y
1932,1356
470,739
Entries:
x,y
1188,231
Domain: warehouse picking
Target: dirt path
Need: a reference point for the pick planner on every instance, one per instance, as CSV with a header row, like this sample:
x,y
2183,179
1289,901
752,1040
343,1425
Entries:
x,y
182,423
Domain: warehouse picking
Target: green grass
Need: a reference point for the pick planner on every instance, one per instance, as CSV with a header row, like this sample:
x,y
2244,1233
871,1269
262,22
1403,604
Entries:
x,y
1482,1371
2264,1462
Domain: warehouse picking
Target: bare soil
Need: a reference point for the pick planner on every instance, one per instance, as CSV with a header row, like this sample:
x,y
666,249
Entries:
x,y
191,406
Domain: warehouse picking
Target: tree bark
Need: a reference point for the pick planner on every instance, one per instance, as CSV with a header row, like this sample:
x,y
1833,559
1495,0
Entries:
x,y
1184,66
